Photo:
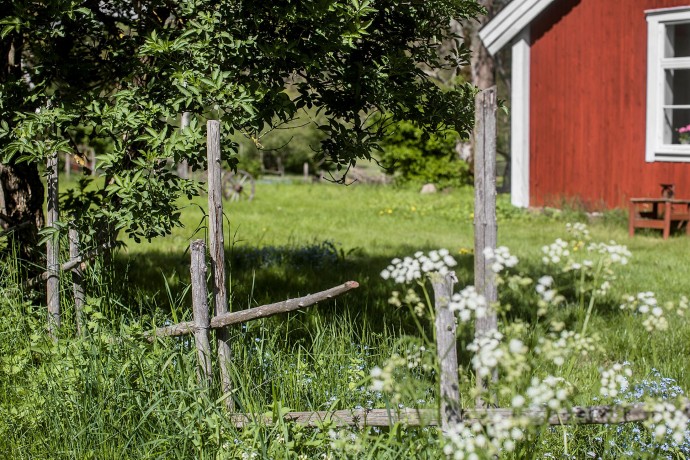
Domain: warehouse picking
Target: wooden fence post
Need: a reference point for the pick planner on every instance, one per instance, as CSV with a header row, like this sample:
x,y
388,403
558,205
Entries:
x,y
217,247
92,157
68,164
182,166
52,249
446,349
202,322
77,278
485,227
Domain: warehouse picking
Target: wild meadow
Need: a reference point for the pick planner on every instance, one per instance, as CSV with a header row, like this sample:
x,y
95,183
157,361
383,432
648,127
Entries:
x,y
587,316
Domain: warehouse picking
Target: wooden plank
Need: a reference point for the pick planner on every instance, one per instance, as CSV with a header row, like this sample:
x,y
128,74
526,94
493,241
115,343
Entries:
x,y
251,314
446,350
579,415
77,278
52,249
217,246
200,308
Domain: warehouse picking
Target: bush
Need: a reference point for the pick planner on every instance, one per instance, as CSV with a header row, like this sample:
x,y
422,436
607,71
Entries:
x,y
415,157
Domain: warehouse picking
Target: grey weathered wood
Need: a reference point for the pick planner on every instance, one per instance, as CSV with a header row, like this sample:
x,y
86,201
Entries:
x,y
52,249
217,249
485,226
77,278
92,156
78,261
593,415
68,164
200,308
182,166
446,348
250,314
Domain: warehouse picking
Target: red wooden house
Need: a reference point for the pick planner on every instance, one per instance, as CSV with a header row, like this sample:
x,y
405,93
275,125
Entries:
x,y
600,89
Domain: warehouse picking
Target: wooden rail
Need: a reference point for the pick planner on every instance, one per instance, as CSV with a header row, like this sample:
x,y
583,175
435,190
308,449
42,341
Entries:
x,y
591,415
250,314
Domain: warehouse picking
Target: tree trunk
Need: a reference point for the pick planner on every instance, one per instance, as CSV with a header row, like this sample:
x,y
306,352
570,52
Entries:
x,y
483,65
21,205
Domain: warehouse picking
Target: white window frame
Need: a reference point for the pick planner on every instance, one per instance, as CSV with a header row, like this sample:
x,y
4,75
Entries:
x,y
657,64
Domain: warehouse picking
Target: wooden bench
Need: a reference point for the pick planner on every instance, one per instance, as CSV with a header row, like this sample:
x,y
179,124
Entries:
x,y
659,213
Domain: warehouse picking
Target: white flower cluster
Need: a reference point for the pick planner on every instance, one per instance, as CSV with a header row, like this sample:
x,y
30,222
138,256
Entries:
x,y
555,252
412,268
645,303
382,379
551,392
556,348
578,230
547,294
475,440
411,298
615,379
668,420
487,353
615,253
500,258
571,265
468,303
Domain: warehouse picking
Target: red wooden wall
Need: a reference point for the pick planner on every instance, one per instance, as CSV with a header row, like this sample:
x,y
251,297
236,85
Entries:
x,y
588,106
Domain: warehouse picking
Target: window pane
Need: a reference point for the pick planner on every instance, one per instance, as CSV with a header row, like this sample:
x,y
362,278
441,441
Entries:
x,y
677,40
677,90
675,120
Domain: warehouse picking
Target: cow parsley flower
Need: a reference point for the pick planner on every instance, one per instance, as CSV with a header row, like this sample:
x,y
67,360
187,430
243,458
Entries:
x,y
500,258
413,268
614,380
468,304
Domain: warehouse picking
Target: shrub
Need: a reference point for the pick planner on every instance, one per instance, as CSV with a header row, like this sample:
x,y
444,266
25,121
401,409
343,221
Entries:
x,y
415,157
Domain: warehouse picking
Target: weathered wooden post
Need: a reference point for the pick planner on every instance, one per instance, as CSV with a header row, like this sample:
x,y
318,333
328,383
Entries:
x,y
217,247
52,249
202,322
68,164
92,157
77,278
485,227
182,166
446,349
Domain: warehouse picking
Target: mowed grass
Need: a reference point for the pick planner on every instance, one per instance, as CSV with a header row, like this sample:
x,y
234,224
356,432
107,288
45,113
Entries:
x,y
370,225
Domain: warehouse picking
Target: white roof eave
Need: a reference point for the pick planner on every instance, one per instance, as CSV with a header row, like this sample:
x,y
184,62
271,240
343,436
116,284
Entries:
x,y
508,24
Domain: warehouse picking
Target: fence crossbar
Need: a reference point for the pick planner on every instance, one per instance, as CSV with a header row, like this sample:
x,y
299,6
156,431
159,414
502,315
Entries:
x,y
578,415
250,314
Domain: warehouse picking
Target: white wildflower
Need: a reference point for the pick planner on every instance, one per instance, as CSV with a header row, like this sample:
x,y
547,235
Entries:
x,y
500,258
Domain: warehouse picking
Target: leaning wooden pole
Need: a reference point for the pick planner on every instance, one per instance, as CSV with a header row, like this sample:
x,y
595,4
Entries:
x,y
446,349
251,314
485,227
52,250
217,247
200,308
77,278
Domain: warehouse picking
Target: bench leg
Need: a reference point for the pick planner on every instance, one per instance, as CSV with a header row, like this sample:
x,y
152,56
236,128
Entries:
x,y
631,219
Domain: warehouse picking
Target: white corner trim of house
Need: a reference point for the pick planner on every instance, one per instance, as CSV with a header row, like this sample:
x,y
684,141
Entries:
x,y
510,22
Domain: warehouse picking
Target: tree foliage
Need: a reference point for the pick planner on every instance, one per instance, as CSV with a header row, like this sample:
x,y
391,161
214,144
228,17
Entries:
x,y
121,72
